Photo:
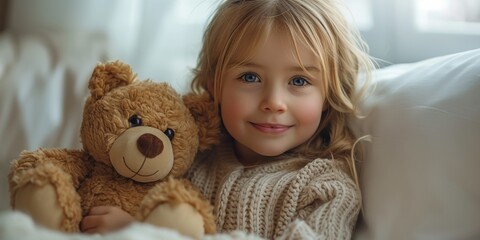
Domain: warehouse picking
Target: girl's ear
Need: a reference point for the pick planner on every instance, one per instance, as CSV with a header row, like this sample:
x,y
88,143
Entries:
x,y
108,76
205,113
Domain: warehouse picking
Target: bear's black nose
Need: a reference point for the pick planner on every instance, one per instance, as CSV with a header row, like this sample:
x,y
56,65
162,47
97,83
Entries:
x,y
149,145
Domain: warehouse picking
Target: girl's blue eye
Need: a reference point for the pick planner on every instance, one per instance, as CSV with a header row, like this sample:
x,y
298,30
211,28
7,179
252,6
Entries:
x,y
298,81
249,77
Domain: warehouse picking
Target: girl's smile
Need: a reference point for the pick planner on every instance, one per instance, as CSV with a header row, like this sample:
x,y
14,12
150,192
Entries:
x,y
271,128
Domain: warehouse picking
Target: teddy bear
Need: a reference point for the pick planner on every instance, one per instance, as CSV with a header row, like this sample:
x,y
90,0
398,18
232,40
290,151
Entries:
x,y
138,137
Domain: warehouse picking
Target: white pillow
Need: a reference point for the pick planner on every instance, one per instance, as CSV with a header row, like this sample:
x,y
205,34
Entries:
x,y
420,177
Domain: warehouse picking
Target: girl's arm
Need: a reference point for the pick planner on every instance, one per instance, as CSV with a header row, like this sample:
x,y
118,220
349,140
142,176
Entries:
x,y
329,206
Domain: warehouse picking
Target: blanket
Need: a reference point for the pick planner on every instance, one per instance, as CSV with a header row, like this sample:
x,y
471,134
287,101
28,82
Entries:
x,y
15,225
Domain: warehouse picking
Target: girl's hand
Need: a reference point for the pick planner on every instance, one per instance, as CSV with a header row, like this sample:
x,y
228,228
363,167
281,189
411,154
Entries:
x,y
105,219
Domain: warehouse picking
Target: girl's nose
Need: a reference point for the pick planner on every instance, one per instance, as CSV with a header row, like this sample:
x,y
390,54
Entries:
x,y
273,101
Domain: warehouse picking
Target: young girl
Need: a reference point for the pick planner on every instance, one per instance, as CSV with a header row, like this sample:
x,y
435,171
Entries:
x,y
283,73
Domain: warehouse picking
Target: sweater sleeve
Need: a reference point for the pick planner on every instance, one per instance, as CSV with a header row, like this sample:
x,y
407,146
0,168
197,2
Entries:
x,y
327,208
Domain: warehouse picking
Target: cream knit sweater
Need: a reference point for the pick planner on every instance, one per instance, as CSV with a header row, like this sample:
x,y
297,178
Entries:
x,y
286,199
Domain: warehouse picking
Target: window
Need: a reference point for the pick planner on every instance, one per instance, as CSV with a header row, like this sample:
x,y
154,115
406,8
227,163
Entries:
x,y
360,13
403,31
448,16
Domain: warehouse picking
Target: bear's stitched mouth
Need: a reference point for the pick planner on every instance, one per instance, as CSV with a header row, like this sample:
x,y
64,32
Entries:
x,y
137,172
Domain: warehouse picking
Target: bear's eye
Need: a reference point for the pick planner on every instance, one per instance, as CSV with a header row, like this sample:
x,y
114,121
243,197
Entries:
x,y
170,133
135,121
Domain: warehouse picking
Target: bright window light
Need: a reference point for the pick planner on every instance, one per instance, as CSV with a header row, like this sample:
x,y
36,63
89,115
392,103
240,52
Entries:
x,y
360,13
448,16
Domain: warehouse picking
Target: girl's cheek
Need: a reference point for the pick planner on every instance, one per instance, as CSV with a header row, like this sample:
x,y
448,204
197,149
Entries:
x,y
310,111
232,106
229,109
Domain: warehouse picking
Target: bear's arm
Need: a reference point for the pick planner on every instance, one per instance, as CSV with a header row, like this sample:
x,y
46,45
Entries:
x,y
178,191
43,183
49,166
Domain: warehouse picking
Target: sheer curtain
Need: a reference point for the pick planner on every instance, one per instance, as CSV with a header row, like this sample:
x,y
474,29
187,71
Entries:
x,y
168,38
159,38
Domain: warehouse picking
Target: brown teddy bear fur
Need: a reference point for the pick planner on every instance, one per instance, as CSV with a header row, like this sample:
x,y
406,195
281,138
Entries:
x,y
85,178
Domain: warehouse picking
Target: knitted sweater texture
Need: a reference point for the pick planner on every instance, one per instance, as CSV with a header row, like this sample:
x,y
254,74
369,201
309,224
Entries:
x,y
284,199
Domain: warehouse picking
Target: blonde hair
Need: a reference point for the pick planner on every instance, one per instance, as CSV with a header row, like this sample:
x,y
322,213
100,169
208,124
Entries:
x,y
239,26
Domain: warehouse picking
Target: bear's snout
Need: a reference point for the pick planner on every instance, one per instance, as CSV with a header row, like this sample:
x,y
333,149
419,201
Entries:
x,y
149,145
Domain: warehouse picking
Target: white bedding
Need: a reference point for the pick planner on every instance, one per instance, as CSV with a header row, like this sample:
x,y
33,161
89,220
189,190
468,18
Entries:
x,y
15,226
420,176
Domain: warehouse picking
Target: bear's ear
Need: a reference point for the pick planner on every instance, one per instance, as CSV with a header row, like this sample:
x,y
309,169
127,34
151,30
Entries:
x,y
110,75
203,109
